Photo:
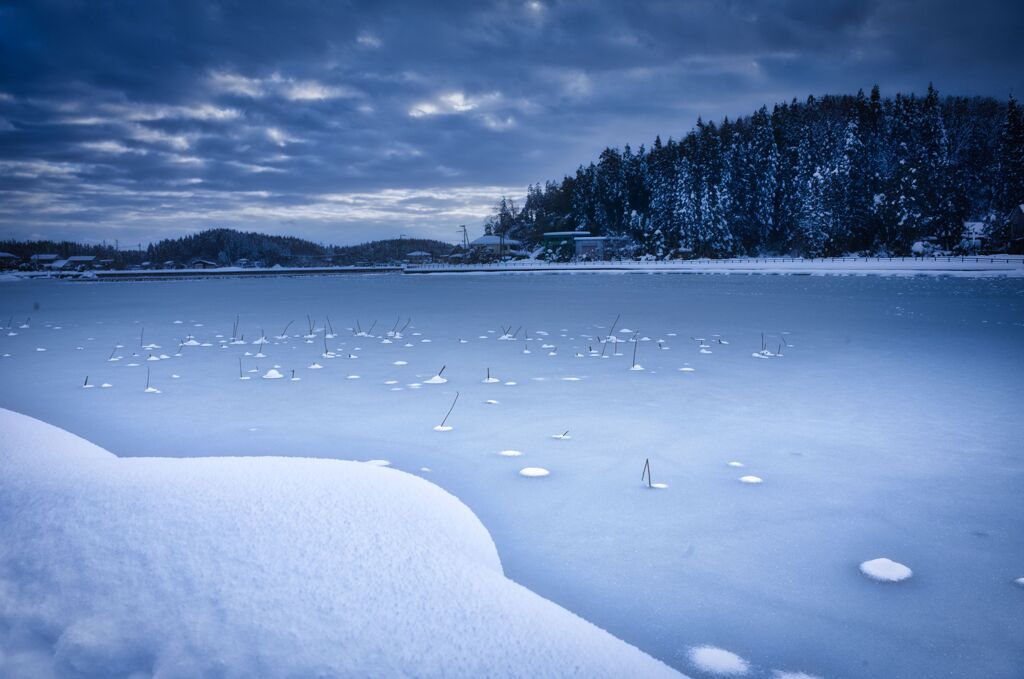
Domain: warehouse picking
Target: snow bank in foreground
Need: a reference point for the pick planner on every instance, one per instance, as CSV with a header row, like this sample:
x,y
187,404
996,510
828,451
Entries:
x,y
242,567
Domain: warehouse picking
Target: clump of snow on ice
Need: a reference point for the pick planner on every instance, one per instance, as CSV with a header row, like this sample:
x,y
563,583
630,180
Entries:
x,y
885,570
1020,581
751,479
780,674
443,427
314,366
735,464
401,363
436,379
272,374
714,660
510,453
533,472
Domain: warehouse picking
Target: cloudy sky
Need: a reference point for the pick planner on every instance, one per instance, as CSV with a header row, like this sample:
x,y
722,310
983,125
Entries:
x,y
344,122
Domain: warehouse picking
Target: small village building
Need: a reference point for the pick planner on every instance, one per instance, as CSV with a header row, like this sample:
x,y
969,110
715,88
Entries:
x,y
75,263
418,257
8,261
495,245
202,264
582,245
43,260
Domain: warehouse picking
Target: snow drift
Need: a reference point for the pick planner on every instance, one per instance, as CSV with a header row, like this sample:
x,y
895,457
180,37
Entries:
x,y
241,567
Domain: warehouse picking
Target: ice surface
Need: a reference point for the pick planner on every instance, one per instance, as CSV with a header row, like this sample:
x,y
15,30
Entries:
x,y
260,567
891,427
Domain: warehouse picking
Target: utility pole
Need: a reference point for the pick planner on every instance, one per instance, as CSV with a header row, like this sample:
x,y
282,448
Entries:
x,y
465,236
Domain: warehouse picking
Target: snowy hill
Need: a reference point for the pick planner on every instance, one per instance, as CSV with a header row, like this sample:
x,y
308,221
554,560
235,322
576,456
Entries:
x,y
242,567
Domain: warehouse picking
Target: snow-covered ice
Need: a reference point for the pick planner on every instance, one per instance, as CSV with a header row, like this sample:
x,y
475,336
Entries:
x,y
890,428
261,567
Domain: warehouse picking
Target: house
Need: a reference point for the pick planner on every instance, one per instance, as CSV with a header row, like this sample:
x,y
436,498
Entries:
x,y
202,264
553,239
599,247
8,261
581,245
418,257
75,263
489,244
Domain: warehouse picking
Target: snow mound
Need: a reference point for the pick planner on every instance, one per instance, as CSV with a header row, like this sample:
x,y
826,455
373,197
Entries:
x,y
714,660
272,374
751,479
885,570
273,567
533,472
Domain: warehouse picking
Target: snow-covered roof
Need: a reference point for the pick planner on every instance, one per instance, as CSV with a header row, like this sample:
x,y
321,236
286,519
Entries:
x,y
81,258
262,566
44,258
492,240
7,255
566,234
59,264
417,253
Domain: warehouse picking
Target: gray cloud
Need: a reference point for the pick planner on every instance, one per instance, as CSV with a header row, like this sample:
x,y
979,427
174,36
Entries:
x,y
348,121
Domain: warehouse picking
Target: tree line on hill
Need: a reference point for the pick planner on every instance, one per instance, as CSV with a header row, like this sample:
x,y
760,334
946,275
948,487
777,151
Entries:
x,y
829,176
226,247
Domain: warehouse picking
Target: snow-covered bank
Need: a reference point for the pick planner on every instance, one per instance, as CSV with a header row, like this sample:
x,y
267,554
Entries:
x,y
240,567
981,266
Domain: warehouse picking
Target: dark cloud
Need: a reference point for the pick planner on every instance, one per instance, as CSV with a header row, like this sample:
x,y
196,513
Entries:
x,y
349,121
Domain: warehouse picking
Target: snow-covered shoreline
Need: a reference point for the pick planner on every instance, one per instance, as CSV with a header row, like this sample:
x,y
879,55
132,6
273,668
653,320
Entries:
x,y
267,567
982,266
986,266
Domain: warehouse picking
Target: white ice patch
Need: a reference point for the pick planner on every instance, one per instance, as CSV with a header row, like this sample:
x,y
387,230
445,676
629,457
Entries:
x,y
533,472
751,479
885,570
510,453
714,660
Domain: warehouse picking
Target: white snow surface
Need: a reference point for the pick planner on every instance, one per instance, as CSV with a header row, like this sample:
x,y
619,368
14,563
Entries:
x,y
890,428
269,567
885,570
718,661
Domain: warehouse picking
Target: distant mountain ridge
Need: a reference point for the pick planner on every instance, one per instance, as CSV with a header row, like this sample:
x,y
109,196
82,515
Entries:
x,y
228,246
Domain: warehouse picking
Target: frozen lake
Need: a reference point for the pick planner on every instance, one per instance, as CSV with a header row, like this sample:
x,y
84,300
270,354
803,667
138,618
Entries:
x,y
890,427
